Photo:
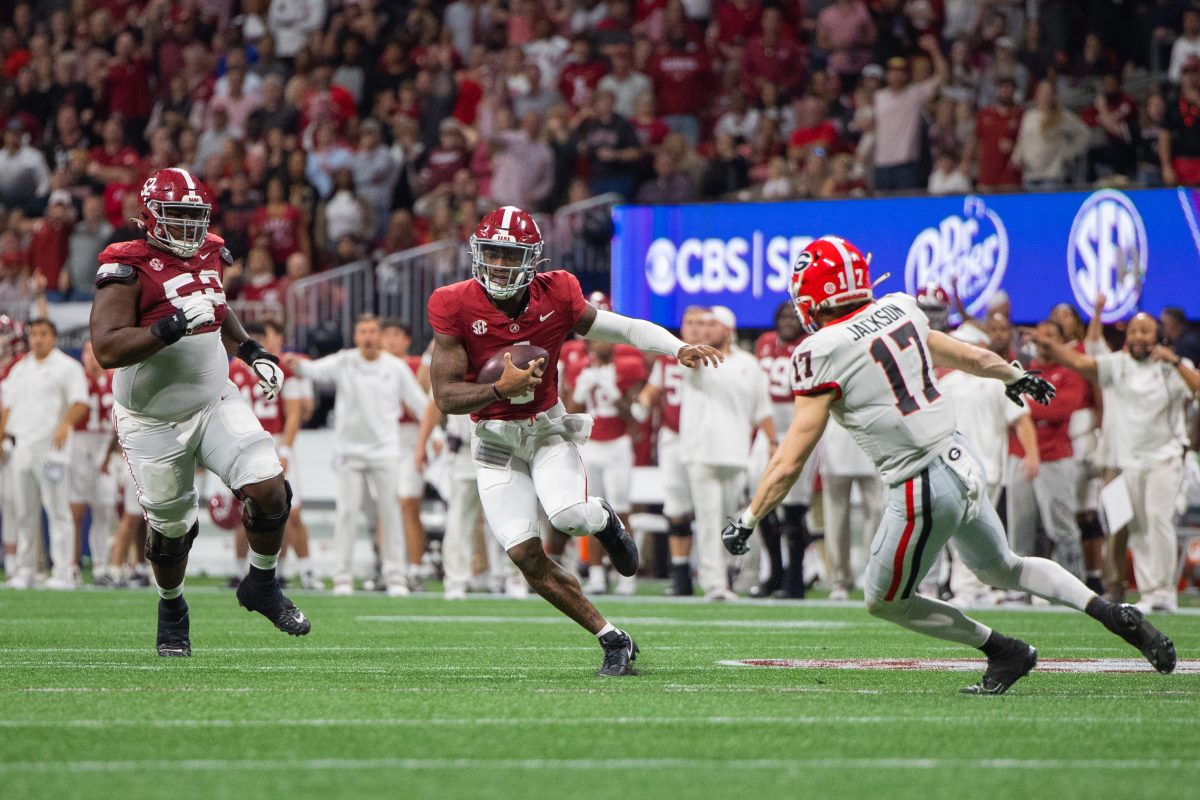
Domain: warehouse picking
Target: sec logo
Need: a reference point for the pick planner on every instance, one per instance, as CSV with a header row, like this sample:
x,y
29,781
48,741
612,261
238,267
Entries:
x,y
1108,251
480,327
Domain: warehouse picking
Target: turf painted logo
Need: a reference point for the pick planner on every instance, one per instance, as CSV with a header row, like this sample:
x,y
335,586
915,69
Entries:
x,y
967,254
1108,252
1091,665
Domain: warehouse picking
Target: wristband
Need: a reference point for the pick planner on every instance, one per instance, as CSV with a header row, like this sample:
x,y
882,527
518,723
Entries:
x,y
283,451
496,392
746,519
170,329
250,351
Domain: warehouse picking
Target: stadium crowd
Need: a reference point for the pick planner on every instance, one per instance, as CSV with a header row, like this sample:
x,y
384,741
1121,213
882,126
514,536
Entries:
x,y
334,130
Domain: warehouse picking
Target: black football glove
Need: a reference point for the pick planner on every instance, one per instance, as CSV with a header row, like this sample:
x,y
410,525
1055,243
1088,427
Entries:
x,y
1040,389
265,365
734,537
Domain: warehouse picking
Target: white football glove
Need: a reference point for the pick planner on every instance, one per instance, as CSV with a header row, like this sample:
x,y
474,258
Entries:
x,y
270,377
199,310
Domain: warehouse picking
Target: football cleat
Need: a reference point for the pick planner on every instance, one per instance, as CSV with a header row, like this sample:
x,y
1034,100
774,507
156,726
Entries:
x,y
1006,669
622,550
1131,625
620,651
268,600
173,627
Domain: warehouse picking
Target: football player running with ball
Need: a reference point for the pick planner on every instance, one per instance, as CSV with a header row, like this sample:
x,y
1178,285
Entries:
x,y
870,364
159,319
524,444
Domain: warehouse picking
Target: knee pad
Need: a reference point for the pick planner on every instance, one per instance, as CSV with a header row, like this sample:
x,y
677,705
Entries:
x,y
167,551
681,527
580,519
1089,526
254,519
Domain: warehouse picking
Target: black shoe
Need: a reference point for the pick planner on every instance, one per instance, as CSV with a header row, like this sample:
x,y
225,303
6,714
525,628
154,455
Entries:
x,y
265,598
1131,625
681,581
620,651
173,626
233,582
1005,669
622,550
767,588
139,580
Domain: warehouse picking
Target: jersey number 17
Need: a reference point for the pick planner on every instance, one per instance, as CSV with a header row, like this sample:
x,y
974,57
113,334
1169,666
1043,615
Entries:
x,y
905,337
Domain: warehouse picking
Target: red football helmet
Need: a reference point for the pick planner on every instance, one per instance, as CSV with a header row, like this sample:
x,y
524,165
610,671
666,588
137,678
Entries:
x,y
829,272
225,510
600,301
935,302
501,236
176,209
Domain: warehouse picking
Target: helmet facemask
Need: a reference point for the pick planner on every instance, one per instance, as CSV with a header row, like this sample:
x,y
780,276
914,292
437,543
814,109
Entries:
x,y
179,227
502,268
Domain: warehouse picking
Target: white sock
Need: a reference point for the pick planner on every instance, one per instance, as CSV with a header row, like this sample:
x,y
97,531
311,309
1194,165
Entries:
x,y
304,565
608,628
680,560
169,594
242,566
263,562
1049,580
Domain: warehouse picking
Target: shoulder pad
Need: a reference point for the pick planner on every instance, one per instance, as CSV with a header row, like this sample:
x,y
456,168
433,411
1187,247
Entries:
x,y
226,256
114,272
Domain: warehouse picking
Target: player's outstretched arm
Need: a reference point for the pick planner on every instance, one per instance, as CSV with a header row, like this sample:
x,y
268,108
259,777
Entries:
x,y
950,352
117,339
812,413
454,395
605,326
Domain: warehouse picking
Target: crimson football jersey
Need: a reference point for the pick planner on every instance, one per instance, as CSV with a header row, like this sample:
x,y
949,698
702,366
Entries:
x,y
165,278
181,378
667,375
100,403
555,304
406,417
775,358
599,388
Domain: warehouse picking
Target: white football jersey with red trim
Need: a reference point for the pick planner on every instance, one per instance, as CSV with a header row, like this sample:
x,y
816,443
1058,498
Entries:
x,y
876,362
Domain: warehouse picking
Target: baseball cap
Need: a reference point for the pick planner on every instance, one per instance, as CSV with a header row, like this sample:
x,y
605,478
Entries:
x,y
1006,43
61,196
897,62
16,124
724,316
872,71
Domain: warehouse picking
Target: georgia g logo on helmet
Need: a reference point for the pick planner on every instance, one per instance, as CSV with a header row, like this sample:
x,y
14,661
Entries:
x,y
176,211
506,250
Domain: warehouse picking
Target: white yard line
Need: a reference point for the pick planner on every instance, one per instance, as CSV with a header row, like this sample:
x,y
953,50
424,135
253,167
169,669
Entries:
x,y
835,718
223,765
800,624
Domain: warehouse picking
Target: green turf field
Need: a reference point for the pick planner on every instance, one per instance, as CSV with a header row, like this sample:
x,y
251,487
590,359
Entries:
x,y
494,698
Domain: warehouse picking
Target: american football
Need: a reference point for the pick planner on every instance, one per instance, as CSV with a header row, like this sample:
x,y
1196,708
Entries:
x,y
522,356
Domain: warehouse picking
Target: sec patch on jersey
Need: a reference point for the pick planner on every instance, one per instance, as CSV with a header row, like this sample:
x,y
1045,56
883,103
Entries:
x,y
522,356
